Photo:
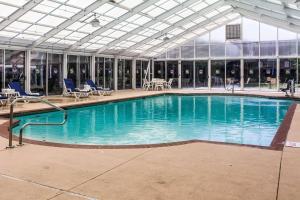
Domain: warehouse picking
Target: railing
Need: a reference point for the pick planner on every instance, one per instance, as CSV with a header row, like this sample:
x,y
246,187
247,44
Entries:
x,y
28,99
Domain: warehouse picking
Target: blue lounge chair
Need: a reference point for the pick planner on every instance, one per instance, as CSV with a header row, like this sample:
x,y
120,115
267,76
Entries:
x,y
21,92
71,90
99,90
3,100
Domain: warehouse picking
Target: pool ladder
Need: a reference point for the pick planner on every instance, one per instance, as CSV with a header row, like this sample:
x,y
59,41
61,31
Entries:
x,y
31,99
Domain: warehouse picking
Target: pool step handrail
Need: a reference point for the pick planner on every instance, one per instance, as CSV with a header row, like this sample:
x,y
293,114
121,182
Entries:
x,y
28,99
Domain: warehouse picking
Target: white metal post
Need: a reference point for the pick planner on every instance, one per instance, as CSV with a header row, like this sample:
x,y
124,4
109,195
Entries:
x,y
134,73
65,65
116,73
93,67
242,74
209,74
179,74
27,69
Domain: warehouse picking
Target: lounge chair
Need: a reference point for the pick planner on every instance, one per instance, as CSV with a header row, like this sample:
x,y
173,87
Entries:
x,y
3,100
99,90
70,90
147,84
169,83
21,92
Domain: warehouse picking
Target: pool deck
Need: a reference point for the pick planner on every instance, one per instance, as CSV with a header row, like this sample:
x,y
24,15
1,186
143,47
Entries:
x,y
192,171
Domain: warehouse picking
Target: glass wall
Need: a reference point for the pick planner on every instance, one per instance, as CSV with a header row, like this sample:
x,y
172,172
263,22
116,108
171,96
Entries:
x,y
85,69
38,72
2,68
217,73
55,74
14,66
138,74
251,73
268,77
288,70
124,74
201,74
99,71
172,72
233,71
109,73
159,69
72,69
187,74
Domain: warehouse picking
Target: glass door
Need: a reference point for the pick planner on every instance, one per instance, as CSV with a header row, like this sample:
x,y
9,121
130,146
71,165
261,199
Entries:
x,y
38,72
233,72
159,69
251,73
187,74
217,73
268,79
72,69
201,74
128,75
172,72
288,71
138,74
55,74
85,71
99,71
14,67
109,73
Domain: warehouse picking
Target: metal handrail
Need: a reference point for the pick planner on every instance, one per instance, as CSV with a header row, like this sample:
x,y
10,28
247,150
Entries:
x,y
31,124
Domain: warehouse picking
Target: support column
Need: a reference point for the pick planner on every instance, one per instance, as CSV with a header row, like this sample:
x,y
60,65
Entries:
x,y
152,73
277,73
93,67
242,74
65,66
27,69
116,73
134,73
209,74
179,74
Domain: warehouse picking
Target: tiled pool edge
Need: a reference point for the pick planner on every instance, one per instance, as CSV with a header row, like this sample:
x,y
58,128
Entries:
x,y
277,142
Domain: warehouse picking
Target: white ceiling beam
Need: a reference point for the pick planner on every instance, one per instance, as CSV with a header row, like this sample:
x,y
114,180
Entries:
x,y
269,20
70,21
193,28
159,18
19,13
124,17
180,23
263,11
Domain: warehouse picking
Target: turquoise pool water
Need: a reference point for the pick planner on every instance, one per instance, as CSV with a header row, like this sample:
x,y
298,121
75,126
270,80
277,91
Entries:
x,y
242,120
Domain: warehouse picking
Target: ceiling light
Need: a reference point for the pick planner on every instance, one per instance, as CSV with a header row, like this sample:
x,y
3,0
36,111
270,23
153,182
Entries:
x,y
95,22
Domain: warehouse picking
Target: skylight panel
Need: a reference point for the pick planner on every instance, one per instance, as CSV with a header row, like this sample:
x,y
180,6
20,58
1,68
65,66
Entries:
x,y
142,20
200,19
6,10
38,29
52,40
223,8
136,38
81,3
199,31
148,32
7,34
159,26
108,32
15,2
198,6
18,26
155,12
66,11
46,6
68,42
117,34
75,26
104,8
176,31
185,13
105,40
27,37
131,3
211,1
173,19
76,36
133,18
189,25
63,34
168,5
154,42
211,14
88,28
51,20
95,46
32,16
128,27
116,12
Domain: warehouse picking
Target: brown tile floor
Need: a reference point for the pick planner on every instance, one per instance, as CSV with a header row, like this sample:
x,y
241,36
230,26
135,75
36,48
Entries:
x,y
193,171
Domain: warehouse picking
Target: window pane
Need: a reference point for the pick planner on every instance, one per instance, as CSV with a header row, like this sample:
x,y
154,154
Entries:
x,y
202,51
233,49
14,66
85,70
251,73
201,74
187,74
99,71
268,48
72,69
38,72
288,71
109,73
268,74
217,50
287,48
159,69
251,49
55,74
217,73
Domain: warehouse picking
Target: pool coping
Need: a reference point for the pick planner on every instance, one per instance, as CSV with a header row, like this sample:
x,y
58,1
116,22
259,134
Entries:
x,y
276,144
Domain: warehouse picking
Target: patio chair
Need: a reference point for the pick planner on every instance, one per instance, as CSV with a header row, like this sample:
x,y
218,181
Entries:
x,y
99,90
21,92
3,100
70,90
169,83
146,84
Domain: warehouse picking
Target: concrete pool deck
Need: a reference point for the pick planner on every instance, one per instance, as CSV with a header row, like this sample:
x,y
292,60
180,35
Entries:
x,y
190,171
